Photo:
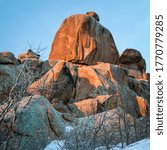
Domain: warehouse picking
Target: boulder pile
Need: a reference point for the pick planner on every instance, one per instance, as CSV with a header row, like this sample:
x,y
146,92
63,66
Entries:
x,y
84,85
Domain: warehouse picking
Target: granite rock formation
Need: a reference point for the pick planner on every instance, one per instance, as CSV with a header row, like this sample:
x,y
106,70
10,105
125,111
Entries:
x,y
82,39
85,86
134,62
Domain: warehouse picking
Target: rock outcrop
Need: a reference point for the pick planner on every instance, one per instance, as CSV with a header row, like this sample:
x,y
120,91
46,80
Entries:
x,y
56,82
8,58
8,75
88,82
35,125
85,94
82,39
105,129
31,59
94,15
134,62
27,55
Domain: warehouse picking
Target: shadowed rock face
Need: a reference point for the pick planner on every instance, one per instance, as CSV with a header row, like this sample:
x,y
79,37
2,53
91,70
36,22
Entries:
x,y
94,15
134,62
7,58
82,39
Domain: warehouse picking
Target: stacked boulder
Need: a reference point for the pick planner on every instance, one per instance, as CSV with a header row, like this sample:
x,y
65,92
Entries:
x,y
7,58
31,59
134,62
82,39
8,65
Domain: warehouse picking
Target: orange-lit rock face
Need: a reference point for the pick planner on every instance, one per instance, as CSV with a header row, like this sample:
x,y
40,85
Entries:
x,y
67,81
56,83
142,105
81,38
28,54
93,106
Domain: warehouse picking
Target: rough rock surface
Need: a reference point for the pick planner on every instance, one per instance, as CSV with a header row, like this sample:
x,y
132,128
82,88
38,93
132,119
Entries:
x,y
28,54
85,94
31,59
82,39
94,15
93,106
8,58
36,124
7,78
106,128
134,62
56,82
88,82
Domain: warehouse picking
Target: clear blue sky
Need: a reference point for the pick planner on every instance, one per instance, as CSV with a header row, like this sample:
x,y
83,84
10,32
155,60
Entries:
x,y
37,21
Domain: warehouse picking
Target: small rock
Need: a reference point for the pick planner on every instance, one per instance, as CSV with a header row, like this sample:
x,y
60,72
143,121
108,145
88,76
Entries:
x,y
8,58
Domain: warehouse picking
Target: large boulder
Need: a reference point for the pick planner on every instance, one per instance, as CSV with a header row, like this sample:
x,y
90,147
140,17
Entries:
x,y
59,82
8,76
8,58
66,81
82,39
34,125
134,62
93,106
98,80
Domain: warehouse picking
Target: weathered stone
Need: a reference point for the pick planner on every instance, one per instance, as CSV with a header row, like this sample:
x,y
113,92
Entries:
x,y
93,106
94,15
130,56
59,82
67,81
146,76
60,106
107,128
47,65
7,78
82,39
143,106
140,87
36,124
134,62
134,73
28,54
31,60
33,64
8,58
97,80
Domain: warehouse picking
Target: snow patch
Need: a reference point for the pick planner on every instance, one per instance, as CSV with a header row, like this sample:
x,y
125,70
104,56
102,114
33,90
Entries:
x,y
68,129
55,145
140,145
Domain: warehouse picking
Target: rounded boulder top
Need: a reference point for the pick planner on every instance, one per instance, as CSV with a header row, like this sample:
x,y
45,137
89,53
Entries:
x,y
130,56
94,15
82,39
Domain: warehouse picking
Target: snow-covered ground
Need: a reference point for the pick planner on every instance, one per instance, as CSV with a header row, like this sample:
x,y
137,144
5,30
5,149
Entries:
x,y
140,145
55,145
